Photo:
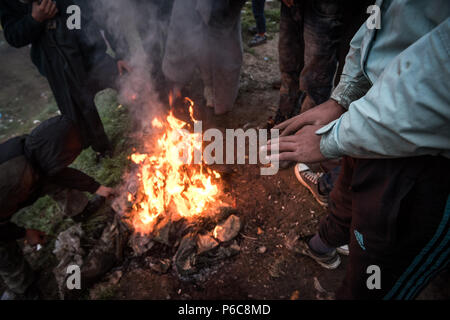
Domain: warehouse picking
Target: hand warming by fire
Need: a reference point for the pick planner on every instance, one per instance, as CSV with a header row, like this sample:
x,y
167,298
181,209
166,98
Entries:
x,y
169,182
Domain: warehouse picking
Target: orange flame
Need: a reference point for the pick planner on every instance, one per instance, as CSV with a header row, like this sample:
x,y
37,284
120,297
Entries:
x,y
168,181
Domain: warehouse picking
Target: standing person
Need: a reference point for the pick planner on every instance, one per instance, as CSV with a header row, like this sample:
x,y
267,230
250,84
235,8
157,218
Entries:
x,y
74,62
389,119
206,35
31,167
260,18
321,183
310,35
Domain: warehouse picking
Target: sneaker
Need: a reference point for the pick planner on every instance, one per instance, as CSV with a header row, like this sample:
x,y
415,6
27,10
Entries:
x,y
258,40
328,261
310,180
344,250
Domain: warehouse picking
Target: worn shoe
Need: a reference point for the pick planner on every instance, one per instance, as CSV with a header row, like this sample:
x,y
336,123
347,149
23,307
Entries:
x,y
258,40
328,261
310,180
344,250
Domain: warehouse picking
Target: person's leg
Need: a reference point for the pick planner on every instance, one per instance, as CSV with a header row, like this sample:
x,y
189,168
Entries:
x,y
91,123
260,18
326,181
104,74
334,229
155,44
400,227
322,34
258,13
225,65
14,269
291,50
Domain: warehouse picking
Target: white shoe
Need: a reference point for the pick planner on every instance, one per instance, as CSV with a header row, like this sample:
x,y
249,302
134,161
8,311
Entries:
x,y
344,250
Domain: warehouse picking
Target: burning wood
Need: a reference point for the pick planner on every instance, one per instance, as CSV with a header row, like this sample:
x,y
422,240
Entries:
x,y
168,184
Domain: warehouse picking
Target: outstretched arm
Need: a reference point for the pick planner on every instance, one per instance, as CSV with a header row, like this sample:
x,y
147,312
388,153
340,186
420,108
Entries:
x,y
406,112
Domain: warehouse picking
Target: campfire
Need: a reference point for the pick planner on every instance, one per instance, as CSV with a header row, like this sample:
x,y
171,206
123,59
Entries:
x,y
169,183
170,199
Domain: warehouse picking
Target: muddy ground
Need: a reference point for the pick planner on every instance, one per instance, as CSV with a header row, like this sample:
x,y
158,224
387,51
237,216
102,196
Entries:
x,y
270,206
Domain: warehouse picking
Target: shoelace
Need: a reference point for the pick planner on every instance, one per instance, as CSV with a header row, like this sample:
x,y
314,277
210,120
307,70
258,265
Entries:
x,y
313,177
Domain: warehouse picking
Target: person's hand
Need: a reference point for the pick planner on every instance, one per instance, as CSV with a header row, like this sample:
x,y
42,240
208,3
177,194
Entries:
x,y
44,11
303,147
122,66
288,3
34,237
106,192
319,115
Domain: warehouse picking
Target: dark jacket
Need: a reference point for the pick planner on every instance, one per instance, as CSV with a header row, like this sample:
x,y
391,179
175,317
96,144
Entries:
x,y
20,30
69,59
29,163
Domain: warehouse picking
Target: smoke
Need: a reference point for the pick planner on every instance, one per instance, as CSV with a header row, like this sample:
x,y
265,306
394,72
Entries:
x,y
169,40
136,31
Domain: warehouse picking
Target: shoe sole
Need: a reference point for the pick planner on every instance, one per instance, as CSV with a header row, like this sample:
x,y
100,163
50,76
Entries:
x,y
300,179
332,266
343,252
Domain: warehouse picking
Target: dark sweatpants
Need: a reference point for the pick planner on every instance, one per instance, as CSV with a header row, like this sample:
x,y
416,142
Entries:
x,y
395,214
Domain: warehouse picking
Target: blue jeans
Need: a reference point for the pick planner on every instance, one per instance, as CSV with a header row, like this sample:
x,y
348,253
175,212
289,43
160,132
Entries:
x,y
258,13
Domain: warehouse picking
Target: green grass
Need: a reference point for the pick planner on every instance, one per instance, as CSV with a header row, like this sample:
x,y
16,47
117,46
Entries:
x,y
23,125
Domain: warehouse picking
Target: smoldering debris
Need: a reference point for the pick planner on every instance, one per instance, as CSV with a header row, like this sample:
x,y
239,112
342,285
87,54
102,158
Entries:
x,y
68,251
188,248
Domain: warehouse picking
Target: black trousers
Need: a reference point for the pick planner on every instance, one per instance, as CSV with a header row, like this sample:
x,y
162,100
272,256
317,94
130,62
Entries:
x,y
395,214
258,13
103,75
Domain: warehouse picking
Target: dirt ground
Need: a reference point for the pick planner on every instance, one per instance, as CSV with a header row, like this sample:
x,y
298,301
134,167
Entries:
x,y
271,207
